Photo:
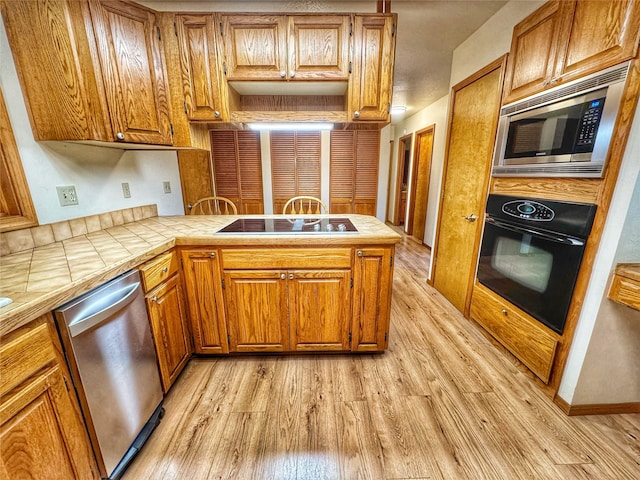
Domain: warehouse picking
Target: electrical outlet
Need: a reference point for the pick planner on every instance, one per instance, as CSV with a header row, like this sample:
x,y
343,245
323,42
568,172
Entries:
x,y
125,190
67,195
167,187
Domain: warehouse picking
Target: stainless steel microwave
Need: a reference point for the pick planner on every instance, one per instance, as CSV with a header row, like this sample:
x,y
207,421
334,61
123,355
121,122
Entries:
x,y
562,132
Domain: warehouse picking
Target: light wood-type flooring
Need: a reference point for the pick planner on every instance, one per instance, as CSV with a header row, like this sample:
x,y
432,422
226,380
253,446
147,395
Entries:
x,y
442,403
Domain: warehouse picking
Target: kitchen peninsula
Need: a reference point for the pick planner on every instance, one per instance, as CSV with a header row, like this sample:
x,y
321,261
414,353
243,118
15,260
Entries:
x,y
349,273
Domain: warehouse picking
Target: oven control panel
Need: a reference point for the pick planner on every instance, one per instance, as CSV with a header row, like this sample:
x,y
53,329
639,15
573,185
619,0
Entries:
x,y
529,210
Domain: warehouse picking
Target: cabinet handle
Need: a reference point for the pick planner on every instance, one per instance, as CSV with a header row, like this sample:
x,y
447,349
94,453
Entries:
x,y
216,114
356,114
283,276
359,253
165,270
283,74
291,276
470,218
292,74
120,136
504,311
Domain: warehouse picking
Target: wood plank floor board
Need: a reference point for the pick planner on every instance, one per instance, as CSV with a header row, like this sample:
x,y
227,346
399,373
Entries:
x,y
442,403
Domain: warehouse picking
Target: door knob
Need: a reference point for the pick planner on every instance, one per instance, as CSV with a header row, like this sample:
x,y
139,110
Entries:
x,y
470,218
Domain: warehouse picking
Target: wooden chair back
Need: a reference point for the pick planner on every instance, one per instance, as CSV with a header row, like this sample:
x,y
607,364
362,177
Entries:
x,y
305,204
214,206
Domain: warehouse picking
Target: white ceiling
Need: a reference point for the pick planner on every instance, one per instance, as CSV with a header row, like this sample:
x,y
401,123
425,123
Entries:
x,y
428,32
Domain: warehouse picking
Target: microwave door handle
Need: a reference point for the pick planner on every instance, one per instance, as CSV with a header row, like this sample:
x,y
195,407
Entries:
x,y
548,236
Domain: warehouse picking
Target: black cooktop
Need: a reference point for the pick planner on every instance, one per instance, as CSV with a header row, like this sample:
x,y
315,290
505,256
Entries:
x,y
290,225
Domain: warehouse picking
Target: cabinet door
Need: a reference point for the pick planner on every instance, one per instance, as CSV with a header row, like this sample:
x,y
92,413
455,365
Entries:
x,y
318,47
170,331
196,34
373,59
133,71
254,46
257,314
41,431
372,275
534,48
320,309
203,285
596,35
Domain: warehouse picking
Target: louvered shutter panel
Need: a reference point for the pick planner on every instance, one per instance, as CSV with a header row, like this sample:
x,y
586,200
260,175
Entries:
x,y
308,163
250,161
366,177
283,167
225,168
341,176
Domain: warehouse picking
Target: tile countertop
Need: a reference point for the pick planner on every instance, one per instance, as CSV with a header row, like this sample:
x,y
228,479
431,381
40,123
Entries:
x,y
40,279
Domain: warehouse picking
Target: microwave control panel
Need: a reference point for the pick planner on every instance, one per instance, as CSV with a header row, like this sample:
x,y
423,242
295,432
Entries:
x,y
528,210
589,122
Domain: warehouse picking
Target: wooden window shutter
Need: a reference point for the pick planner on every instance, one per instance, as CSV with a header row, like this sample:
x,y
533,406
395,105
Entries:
x,y
367,156
295,165
308,163
225,168
283,165
237,167
342,171
250,160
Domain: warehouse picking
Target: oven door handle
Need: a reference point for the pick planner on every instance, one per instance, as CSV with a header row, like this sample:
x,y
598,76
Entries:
x,y
575,242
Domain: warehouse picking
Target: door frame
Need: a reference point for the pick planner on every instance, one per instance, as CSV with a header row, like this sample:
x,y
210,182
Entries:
x,y
402,142
431,129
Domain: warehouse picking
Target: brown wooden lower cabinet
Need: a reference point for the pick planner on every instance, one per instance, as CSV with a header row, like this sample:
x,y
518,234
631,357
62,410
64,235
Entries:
x,y
203,285
289,299
526,338
167,314
42,434
373,274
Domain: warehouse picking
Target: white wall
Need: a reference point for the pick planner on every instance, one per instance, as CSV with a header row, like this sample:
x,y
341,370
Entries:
x,y
604,359
96,172
489,42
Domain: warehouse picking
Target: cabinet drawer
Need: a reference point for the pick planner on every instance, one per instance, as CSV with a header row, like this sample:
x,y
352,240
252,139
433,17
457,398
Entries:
x,y
156,271
625,291
522,335
250,258
23,353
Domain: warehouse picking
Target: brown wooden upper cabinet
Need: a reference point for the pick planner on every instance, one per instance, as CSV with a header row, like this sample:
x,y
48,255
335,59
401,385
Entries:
x,y
371,81
285,47
90,70
565,40
199,66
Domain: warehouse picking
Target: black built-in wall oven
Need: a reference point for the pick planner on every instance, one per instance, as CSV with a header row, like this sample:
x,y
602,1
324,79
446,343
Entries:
x,y
531,253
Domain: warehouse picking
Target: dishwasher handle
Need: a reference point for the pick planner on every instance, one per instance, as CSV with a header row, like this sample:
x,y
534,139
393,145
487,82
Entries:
x,y
101,310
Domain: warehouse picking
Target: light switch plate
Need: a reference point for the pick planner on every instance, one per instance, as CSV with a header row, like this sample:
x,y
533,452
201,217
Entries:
x,y
126,191
67,195
167,187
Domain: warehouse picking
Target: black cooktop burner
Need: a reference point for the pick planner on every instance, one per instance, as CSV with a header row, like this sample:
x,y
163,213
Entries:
x,y
290,225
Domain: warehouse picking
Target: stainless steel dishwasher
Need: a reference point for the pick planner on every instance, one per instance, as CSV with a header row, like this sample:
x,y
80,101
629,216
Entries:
x,y
109,348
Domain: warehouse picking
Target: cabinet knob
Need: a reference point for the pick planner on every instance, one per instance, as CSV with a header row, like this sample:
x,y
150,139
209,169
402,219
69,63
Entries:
x,y
283,74
292,74
120,136
165,270
356,114
212,254
283,276
216,114
504,311
154,299
291,276
359,253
